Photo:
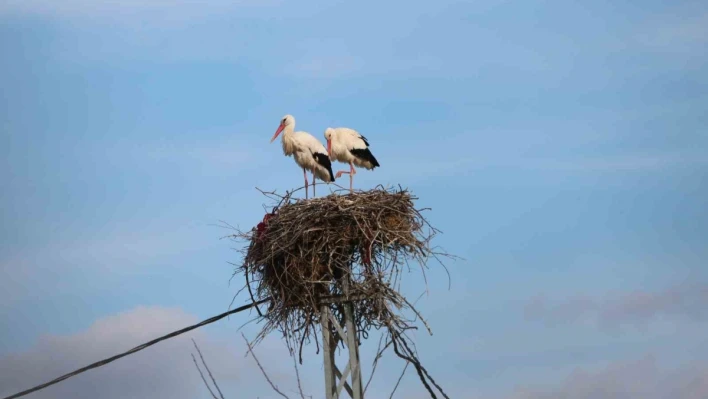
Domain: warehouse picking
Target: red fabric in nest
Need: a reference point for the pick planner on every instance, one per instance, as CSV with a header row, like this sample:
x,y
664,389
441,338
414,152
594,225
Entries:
x,y
365,255
263,226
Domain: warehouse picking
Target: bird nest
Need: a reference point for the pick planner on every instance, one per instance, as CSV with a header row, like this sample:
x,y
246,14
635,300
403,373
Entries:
x,y
332,249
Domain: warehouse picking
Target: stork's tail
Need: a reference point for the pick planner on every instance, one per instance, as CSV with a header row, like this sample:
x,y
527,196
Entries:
x,y
366,158
323,160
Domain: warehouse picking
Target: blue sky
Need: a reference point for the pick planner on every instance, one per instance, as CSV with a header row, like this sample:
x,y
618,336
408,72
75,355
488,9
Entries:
x,y
562,148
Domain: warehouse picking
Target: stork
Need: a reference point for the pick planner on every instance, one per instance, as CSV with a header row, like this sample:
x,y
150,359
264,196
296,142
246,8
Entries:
x,y
307,151
348,146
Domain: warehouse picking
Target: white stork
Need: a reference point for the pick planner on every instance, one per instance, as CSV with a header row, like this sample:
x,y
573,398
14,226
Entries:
x,y
307,151
348,146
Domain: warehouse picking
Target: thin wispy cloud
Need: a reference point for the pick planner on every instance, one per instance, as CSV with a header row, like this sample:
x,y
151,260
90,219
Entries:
x,y
639,378
406,169
97,253
113,248
619,163
367,64
212,154
156,31
325,68
163,12
678,33
684,302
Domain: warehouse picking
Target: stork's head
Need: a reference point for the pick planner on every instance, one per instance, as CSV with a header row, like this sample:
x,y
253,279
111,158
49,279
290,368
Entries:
x,y
328,136
288,120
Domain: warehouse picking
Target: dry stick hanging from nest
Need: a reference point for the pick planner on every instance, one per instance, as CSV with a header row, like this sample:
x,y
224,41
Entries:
x,y
302,251
250,350
213,380
409,356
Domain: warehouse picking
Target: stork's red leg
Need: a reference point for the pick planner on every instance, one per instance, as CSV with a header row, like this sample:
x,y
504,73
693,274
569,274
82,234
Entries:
x,y
313,184
352,172
304,173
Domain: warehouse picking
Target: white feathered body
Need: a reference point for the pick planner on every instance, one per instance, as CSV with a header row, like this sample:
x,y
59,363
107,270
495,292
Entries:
x,y
350,146
308,152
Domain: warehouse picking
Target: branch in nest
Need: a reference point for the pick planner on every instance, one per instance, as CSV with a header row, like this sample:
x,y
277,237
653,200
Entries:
x,y
303,251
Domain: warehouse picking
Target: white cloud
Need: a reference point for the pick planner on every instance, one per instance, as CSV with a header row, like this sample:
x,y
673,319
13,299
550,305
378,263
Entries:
x,y
163,370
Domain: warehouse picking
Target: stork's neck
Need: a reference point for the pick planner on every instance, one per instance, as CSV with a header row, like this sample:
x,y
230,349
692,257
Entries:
x,y
288,130
288,139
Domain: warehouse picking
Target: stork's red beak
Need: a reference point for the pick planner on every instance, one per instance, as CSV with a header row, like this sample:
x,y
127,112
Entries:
x,y
277,132
329,148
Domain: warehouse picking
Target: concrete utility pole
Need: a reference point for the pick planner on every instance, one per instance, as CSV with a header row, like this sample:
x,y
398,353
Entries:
x,y
350,379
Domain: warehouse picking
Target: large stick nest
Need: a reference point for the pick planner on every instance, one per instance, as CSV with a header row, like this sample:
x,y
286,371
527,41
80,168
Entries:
x,y
335,248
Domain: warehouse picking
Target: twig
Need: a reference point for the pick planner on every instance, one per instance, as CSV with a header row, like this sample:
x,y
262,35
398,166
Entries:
x,y
297,375
204,379
379,352
417,368
136,349
261,367
207,368
399,380
248,285
395,336
376,360
417,364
